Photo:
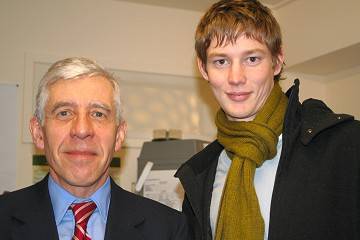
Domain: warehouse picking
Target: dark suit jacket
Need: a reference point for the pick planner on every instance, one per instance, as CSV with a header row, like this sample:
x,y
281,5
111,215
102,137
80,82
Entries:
x,y
28,214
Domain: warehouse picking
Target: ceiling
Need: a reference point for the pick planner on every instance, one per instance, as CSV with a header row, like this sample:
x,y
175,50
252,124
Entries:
x,y
336,61
198,5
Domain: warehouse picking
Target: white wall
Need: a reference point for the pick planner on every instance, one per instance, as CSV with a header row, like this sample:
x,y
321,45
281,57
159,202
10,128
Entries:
x,y
342,93
310,86
135,37
314,28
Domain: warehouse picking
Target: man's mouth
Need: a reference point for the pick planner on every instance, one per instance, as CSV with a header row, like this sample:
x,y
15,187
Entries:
x,y
238,96
80,154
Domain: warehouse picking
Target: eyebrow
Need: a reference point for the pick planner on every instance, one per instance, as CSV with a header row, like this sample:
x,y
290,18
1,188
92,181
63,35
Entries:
x,y
61,104
256,50
211,55
103,106
247,52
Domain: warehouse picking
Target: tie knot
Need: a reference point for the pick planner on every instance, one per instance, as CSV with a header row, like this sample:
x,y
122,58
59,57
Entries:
x,y
82,211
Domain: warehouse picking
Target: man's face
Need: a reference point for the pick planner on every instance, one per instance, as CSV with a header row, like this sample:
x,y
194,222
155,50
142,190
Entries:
x,y
80,133
241,76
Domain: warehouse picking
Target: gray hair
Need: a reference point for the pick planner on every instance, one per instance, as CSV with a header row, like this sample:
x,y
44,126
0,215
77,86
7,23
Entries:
x,y
69,69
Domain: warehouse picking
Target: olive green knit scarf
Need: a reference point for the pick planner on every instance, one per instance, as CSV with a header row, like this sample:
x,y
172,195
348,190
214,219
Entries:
x,y
250,144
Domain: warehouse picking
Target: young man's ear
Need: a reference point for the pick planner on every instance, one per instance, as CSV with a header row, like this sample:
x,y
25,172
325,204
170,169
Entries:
x,y
37,133
202,69
120,135
279,62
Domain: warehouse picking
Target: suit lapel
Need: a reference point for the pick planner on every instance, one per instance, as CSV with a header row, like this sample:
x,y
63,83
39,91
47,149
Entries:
x,y
124,218
35,220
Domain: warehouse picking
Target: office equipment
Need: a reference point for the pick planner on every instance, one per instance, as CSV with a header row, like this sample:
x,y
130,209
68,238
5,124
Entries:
x,y
165,158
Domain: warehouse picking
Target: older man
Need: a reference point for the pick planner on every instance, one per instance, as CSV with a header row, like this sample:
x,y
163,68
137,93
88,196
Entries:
x,y
78,124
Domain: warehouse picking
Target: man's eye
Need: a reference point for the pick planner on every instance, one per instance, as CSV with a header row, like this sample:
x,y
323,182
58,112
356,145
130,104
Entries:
x,y
220,62
253,60
64,113
98,114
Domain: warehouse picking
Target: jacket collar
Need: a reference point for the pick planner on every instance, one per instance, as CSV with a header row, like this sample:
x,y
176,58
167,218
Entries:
x,y
315,116
318,117
124,218
35,220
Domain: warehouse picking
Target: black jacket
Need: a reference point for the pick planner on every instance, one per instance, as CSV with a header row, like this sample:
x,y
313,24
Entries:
x,y
317,184
28,214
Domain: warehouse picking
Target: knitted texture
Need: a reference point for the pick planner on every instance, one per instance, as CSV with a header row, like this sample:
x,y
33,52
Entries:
x,y
249,144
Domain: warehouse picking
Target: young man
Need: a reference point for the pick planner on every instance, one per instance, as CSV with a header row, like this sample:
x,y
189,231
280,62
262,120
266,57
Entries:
x,y
279,169
79,126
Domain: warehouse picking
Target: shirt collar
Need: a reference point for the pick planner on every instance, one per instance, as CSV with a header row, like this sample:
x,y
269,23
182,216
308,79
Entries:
x,y
61,199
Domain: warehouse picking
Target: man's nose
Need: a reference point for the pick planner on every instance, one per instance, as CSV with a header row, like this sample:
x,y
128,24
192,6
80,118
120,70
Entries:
x,y
82,127
237,74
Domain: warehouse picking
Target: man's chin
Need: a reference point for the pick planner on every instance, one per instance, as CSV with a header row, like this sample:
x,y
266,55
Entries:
x,y
82,181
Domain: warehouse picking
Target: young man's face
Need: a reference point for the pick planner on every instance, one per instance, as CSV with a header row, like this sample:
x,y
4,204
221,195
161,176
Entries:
x,y
80,133
241,76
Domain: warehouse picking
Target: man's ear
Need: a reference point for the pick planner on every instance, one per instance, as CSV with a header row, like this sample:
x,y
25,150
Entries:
x,y
120,135
279,63
37,133
202,69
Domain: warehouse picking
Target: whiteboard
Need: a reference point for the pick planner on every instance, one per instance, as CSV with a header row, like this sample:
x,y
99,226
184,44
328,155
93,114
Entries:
x,y
8,136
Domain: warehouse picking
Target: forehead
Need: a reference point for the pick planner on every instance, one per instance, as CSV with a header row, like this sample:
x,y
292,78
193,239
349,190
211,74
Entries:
x,y
83,90
241,43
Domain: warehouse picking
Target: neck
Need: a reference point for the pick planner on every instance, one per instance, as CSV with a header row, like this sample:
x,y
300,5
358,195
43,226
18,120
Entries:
x,y
80,190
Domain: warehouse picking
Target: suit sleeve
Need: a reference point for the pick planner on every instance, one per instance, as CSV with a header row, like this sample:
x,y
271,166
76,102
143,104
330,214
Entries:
x,y
182,230
4,218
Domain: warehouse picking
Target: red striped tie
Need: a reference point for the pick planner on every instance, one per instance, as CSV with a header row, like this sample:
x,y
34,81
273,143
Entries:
x,y
82,212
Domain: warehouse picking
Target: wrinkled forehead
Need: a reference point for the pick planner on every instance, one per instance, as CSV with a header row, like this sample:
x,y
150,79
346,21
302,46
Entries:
x,y
95,88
